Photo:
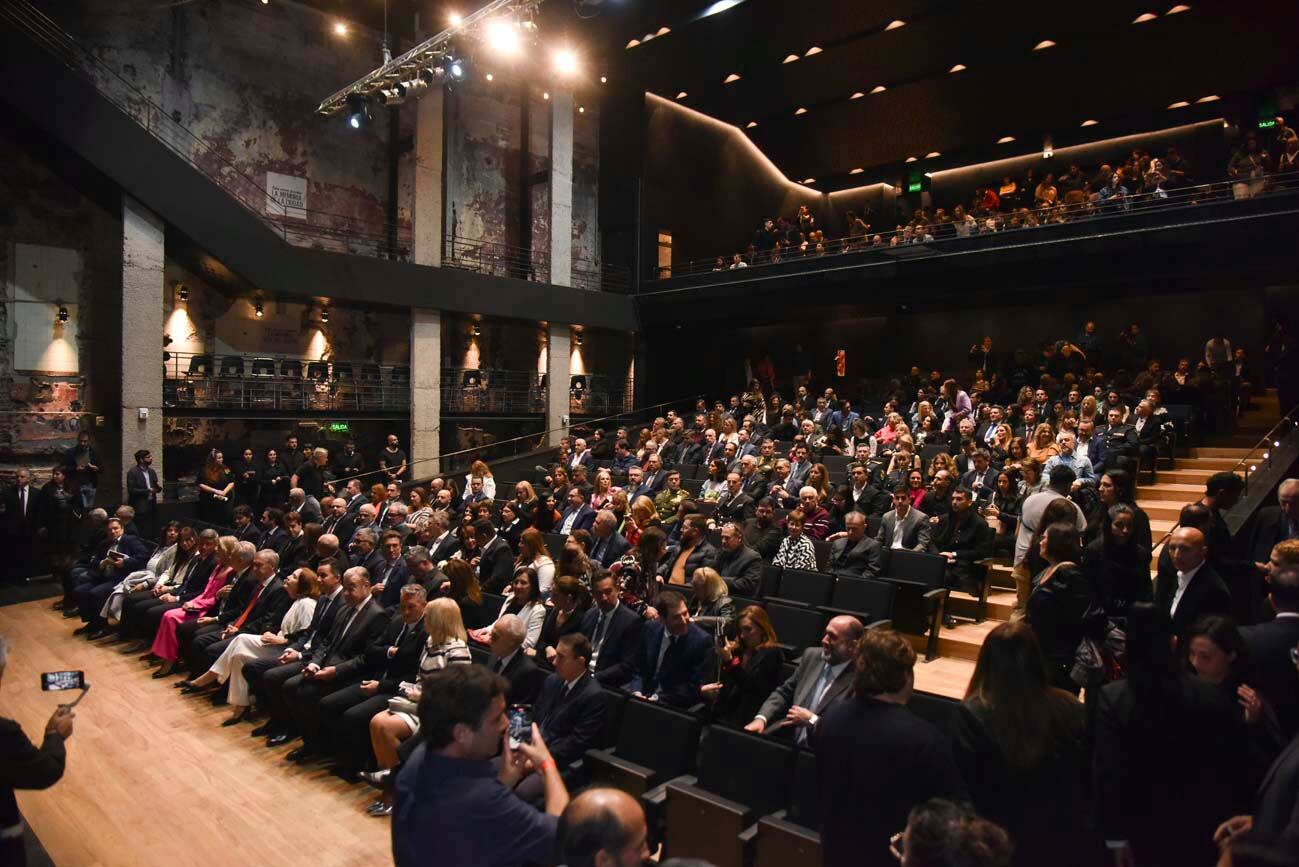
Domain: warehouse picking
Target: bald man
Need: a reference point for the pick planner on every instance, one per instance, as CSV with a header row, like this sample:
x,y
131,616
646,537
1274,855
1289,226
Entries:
x,y
603,828
1195,588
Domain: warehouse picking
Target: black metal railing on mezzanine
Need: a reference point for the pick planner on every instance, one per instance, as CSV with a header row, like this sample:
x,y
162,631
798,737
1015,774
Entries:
x,y
267,383
525,263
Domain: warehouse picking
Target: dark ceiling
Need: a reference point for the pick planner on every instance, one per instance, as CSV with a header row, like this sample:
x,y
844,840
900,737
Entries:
x,y
1103,67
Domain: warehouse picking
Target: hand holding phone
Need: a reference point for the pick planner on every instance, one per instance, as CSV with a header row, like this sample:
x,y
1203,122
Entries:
x,y
520,716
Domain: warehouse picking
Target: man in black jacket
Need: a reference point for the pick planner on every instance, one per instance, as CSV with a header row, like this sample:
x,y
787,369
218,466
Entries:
x,y
1194,588
263,613
693,552
345,713
761,532
334,663
495,559
852,552
607,544
338,522
1270,643
739,565
734,505
142,490
964,538
26,766
510,662
614,631
119,555
675,656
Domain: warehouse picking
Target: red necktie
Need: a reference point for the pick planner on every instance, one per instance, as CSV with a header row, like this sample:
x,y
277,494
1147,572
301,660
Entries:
x,y
249,610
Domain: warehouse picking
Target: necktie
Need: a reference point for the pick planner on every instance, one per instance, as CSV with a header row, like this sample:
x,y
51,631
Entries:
x,y
663,652
597,551
257,591
814,704
498,666
600,623
22,502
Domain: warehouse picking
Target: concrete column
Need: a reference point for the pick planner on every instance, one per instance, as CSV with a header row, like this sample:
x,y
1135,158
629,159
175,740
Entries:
x,y
561,192
558,364
143,284
425,390
428,178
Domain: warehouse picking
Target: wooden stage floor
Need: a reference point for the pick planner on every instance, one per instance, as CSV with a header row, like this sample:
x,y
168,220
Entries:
x,y
152,777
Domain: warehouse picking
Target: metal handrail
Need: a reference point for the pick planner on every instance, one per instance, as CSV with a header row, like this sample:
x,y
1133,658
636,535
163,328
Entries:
x,y
1218,191
1267,438
314,226
528,263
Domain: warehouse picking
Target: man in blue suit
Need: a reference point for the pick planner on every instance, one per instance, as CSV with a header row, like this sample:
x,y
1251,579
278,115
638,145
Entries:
x,y
615,633
578,515
675,656
118,556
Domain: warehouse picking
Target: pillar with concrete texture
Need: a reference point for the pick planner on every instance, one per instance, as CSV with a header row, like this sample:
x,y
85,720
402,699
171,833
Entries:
x,y
561,189
143,288
428,216
425,391
559,339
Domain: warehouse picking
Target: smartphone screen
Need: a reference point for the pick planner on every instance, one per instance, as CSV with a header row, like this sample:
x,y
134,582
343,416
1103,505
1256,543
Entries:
x,y
59,680
520,724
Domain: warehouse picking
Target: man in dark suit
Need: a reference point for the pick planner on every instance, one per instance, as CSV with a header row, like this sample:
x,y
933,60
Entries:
x,y
22,505
345,713
870,738
339,523
693,552
335,663
577,514
964,538
1277,523
262,613
823,677
615,634
142,490
1270,643
739,565
852,553
305,505
354,496
607,544
734,505
762,533
266,676
904,526
365,549
867,498
495,559
570,708
654,480
274,537
389,574
510,662
981,478
675,656
118,556
1121,444
246,529
442,542
1194,588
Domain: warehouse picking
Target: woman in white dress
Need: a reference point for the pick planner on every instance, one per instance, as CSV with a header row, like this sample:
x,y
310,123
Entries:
x,y
303,588
162,562
446,645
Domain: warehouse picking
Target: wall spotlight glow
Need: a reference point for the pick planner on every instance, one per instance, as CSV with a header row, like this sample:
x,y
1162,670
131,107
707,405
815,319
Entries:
x,y
545,95
340,28
604,80
856,171
490,77
960,67
751,124
1144,17
565,62
258,310
455,19
1006,139
1213,97
932,154
879,88
814,50
1089,122
895,24
1181,103
910,160
1045,43
1178,8
731,79
857,95
800,110
581,109
682,95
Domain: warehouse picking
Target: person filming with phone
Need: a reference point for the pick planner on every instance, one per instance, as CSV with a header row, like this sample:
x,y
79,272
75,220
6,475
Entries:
x,y
23,765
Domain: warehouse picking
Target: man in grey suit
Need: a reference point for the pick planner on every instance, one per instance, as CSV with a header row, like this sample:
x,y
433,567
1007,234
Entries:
x,y
851,553
824,676
305,505
904,526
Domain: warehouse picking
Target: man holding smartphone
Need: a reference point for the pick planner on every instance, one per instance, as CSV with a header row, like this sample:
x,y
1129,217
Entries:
x,y
23,765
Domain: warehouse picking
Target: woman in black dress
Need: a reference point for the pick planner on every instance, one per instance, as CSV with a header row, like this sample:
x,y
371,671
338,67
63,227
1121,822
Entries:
x,y
215,484
275,480
1059,602
248,480
750,669
1116,566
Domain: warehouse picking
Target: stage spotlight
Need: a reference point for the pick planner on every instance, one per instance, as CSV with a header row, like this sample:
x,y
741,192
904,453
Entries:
x,y
456,70
63,313
358,111
565,62
454,18
503,36
394,95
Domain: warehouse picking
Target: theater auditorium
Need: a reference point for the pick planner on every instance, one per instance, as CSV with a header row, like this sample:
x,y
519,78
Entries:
x,y
478,433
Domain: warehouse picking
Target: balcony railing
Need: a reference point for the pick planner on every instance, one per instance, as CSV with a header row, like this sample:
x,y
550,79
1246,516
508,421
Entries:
x,y
1025,226
522,263
513,392
303,227
275,383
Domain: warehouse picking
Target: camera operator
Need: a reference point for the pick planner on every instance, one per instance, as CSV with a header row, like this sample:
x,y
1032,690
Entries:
x,y
25,766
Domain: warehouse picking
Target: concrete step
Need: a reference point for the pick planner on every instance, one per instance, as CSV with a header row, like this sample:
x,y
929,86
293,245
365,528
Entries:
x,y
1000,604
1170,491
963,642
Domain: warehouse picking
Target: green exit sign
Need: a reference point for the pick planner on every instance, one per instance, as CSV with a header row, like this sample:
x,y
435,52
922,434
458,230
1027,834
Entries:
x,y
338,427
914,187
1267,124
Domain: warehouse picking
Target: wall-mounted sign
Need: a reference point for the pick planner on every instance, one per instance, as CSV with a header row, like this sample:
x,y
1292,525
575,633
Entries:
x,y
286,196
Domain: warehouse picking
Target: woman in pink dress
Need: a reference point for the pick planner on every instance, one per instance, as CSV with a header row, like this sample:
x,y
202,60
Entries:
x,y
165,644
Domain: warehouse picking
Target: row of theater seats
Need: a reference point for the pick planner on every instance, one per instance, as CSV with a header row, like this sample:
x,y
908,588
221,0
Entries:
x,y
717,793
233,367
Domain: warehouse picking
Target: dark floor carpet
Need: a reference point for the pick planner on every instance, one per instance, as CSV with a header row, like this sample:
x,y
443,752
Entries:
x,y
39,587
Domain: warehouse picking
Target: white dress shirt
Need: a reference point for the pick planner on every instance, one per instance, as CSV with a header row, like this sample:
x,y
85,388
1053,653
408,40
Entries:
x,y
1183,581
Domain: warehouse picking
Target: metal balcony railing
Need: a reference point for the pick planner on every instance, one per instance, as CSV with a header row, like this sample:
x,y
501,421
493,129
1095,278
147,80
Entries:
x,y
522,263
278,383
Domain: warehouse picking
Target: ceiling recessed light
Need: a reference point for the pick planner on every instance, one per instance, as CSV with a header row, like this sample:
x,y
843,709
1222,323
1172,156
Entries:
x,y
910,159
545,95
932,154
1045,43
633,43
1180,7
1213,97
731,79
1006,139
751,124
857,94
490,77
1144,17
1089,122
604,80
879,88
581,109
815,49
1181,103
800,110
682,95
663,31
790,58
960,67
856,171
895,24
